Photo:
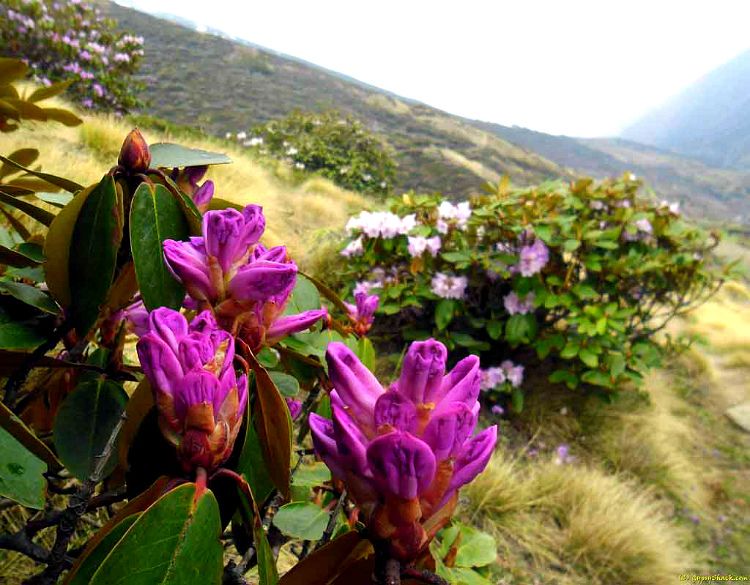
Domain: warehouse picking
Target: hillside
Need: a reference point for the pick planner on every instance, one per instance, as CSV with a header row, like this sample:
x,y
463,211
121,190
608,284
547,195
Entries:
x,y
704,191
710,120
227,86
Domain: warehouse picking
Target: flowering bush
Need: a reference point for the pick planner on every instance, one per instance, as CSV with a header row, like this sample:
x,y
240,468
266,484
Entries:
x,y
72,41
337,147
582,275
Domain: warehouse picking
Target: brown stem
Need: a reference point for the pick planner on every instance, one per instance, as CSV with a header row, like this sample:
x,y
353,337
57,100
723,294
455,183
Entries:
x,y
424,576
332,521
387,569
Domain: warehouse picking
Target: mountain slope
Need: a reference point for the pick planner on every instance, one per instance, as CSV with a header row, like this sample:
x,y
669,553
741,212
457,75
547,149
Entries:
x,y
710,120
704,191
226,86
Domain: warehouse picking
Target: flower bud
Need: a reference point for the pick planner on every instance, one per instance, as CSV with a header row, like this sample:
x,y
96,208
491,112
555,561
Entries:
x,y
134,154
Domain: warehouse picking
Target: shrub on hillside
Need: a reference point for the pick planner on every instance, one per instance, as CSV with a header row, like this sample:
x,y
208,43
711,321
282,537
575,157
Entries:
x,y
337,147
73,41
580,274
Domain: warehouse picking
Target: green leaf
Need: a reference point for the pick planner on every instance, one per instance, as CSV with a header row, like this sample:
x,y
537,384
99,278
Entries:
x,y
22,156
366,352
168,155
85,571
287,385
570,350
56,199
174,542
520,329
616,364
21,334
302,520
494,329
607,245
517,399
61,182
30,295
16,258
585,291
312,475
12,69
155,216
305,297
476,548
21,477
571,245
93,253
273,425
588,357
84,423
444,313
268,357
41,215
44,93
251,464
564,376
596,378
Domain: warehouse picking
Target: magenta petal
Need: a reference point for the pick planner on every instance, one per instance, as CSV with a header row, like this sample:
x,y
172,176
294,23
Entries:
x,y
448,429
222,233
260,280
324,442
204,321
356,385
159,363
462,384
195,350
242,393
289,324
396,410
423,370
136,316
401,464
203,195
197,387
473,457
190,267
352,444
295,407
255,224
168,324
275,254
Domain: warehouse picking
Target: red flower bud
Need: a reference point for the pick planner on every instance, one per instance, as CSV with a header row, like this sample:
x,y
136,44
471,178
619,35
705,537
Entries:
x,y
134,154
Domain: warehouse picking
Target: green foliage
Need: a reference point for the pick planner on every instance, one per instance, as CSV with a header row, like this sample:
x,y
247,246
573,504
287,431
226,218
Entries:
x,y
21,473
72,42
581,275
336,147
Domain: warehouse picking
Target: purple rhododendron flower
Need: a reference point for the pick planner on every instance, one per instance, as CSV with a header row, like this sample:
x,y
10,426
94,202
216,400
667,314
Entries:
x,y
491,378
246,284
513,373
404,451
448,286
533,258
295,407
198,395
515,306
362,313
418,245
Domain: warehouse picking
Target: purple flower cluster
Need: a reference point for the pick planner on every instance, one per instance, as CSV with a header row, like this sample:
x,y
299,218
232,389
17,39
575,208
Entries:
x,y
362,313
494,377
418,245
198,395
448,286
404,451
245,284
515,306
532,258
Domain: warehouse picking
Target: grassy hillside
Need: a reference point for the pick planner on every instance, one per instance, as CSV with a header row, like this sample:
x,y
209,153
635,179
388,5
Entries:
x,y
225,86
704,191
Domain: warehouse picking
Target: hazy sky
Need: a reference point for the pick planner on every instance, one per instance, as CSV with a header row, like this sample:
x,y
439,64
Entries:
x,y
585,68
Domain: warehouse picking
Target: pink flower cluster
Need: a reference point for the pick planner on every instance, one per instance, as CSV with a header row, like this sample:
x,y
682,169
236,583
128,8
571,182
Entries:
x,y
381,224
448,286
418,245
450,215
515,306
494,377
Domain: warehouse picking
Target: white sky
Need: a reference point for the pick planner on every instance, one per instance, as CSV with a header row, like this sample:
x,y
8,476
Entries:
x,y
584,68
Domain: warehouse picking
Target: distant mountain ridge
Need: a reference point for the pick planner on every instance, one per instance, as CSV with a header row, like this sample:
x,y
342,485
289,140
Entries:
x,y
710,120
223,85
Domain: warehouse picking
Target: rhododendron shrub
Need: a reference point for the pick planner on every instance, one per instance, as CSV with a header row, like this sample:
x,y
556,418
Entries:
x,y
580,275
74,42
335,146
